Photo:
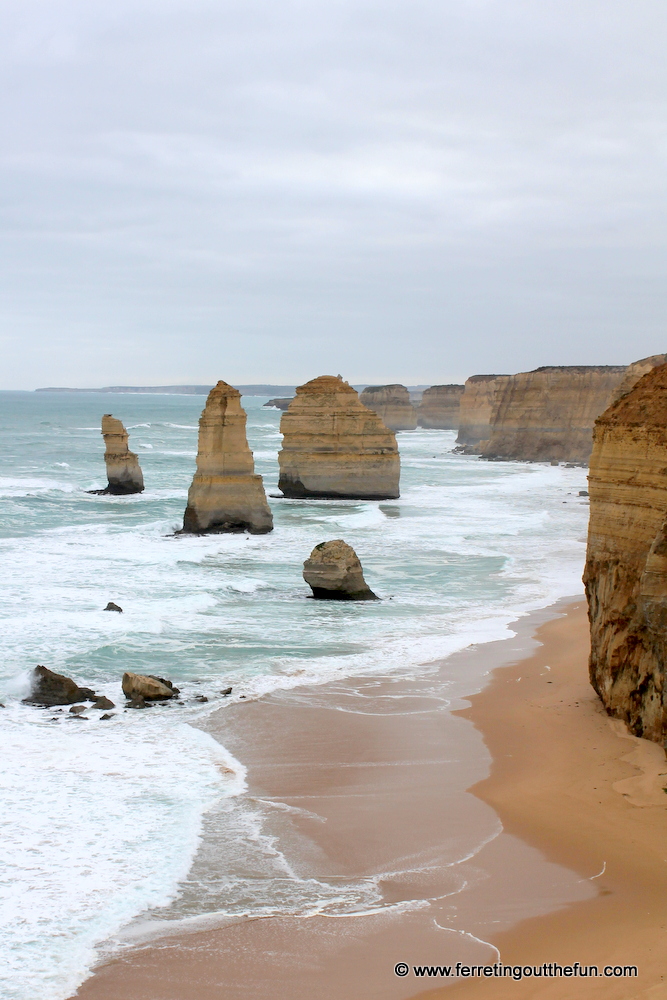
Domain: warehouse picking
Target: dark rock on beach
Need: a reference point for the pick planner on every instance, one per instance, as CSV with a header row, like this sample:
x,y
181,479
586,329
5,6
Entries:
x,y
113,607
49,688
225,692
103,703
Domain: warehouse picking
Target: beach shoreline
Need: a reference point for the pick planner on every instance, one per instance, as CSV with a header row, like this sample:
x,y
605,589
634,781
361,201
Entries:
x,y
572,782
374,784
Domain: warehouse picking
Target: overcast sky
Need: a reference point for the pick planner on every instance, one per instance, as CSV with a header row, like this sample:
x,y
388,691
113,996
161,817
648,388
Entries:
x,y
268,190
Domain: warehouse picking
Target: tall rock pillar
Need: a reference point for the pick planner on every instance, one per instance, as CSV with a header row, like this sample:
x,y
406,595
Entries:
x,y
123,469
226,494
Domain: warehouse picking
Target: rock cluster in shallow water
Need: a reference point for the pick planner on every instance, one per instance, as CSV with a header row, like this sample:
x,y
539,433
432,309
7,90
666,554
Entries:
x,y
226,494
334,447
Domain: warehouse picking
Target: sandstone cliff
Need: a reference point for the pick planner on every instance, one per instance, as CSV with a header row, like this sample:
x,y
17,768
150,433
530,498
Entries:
x,y
626,562
225,494
634,372
440,407
333,446
392,405
123,469
477,405
334,573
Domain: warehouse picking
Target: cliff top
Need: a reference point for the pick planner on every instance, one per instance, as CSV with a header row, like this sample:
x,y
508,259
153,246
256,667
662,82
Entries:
x,y
646,404
486,378
576,368
325,384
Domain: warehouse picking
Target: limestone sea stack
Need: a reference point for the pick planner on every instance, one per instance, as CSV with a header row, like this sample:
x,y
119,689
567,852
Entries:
x,y
626,561
440,407
226,494
392,405
334,447
478,402
123,469
334,573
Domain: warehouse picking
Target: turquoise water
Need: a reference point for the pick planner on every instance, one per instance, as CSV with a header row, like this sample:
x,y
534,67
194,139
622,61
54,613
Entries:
x,y
467,547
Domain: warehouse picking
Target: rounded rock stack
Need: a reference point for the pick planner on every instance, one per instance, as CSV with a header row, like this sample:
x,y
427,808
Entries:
x,y
392,405
334,447
123,469
334,573
226,495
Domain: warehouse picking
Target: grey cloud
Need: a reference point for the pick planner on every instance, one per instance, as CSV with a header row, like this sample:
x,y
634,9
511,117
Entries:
x,y
408,191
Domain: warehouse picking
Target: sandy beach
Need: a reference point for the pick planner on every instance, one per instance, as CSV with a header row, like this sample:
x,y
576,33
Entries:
x,y
362,772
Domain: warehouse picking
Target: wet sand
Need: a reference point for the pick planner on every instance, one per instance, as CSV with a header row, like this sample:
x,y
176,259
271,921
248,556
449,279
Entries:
x,y
367,782
573,783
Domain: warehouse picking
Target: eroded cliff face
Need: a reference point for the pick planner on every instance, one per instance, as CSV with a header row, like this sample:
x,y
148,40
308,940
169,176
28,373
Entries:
x,y
548,414
123,469
478,403
440,407
226,494
626,562
392,405
634,372
333,446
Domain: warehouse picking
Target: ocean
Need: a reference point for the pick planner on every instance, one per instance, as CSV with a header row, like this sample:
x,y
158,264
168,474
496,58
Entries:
x,y
100,820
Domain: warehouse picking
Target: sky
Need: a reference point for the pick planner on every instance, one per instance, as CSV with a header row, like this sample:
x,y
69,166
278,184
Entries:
x,y
395,190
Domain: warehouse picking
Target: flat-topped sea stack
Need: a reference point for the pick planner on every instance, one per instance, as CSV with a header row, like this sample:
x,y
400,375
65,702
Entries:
x,y
441,407
123,469
226,494
334,447
334,573
392,405
626,562
478,402
548,414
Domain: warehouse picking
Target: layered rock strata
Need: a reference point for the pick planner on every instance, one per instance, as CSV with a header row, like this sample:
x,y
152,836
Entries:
x,y
226,494
547,415
441,407
626,562
478,403
334,447
634,372
123,469
334,573
392,405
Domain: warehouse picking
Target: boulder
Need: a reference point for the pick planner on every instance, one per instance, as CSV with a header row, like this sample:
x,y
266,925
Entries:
x,y
123,470
103,703
334,447
140,686
334,573
226,495
49,688
77,709
392,404
113,607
